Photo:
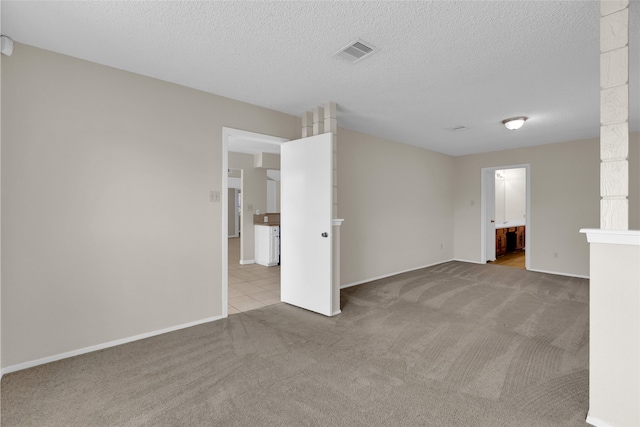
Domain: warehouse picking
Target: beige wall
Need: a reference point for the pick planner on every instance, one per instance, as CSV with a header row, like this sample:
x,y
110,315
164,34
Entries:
x,y
396,201
107,227
565,195
0,213
254,193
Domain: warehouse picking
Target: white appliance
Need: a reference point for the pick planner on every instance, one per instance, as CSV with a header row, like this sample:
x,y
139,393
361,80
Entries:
x,y
267,245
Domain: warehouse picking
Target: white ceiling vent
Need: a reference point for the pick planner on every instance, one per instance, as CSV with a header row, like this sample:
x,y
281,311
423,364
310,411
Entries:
x,y
356,51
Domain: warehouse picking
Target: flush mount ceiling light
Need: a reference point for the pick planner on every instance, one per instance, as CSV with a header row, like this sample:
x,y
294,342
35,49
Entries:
x,y
514,123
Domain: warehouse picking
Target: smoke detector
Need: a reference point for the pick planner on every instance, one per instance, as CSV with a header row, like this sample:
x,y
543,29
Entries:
x,y
356,51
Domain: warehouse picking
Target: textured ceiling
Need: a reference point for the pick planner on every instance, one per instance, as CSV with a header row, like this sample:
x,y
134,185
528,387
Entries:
x,y
440,64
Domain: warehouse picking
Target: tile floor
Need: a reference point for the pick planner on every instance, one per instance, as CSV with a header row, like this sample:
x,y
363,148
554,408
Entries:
x,y
250,286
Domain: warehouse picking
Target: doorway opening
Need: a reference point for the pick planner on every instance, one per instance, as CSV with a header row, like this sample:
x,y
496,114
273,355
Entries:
x,y
505,212
245,284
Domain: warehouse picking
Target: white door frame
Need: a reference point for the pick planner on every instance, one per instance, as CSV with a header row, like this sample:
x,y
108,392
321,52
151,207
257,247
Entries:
x,y
247,136
489,208
483,211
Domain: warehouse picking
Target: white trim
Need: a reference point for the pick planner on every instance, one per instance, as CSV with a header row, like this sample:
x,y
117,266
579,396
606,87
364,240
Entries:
x,y
468,260
612,237
247,261
337,222
32,363
360,282
557,273
336,312
252,136
597,422
224,300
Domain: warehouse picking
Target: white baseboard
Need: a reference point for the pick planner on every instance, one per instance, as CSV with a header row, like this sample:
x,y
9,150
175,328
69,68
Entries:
x,y
336,312
360,282
557,273
247,261
596,422
32,363
469,261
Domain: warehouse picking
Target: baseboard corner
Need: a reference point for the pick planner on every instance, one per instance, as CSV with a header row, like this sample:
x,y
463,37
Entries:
x,y
468,261
596,422
384,276
558,273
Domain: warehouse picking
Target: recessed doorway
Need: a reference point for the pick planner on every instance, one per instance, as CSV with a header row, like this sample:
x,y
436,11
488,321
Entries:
x,y
245,284
505,236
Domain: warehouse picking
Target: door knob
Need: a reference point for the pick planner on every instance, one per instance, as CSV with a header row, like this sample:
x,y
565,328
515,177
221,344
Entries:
x,y
493,220
325,234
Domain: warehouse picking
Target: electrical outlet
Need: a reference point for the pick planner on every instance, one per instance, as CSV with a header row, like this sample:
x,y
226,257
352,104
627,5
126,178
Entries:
x,y
249,208
214,196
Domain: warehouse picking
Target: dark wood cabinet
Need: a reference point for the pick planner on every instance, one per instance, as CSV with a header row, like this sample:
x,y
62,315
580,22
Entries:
x,y
509,240
520,238
501,241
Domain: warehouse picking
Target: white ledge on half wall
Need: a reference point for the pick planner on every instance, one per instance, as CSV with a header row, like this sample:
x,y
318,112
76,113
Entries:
x,y
612,237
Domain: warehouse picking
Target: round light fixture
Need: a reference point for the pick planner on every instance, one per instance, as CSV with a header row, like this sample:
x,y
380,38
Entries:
x,y
514,123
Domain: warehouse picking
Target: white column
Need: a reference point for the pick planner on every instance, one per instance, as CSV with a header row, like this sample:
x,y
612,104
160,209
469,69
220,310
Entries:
x,y
318,120
614,114
330,118
614,288
307,124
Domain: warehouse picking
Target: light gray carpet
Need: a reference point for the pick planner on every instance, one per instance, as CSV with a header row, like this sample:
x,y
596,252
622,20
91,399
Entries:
x,y
452,345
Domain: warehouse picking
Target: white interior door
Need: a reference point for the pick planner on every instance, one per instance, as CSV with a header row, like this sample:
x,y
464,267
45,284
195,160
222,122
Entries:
x,y
306,223
490,223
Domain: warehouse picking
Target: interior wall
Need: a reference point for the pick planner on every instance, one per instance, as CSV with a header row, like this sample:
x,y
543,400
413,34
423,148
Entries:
x,y
515,203
565,197
254,196
107,227
231,212
271,196
397,203
0,209
511,195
